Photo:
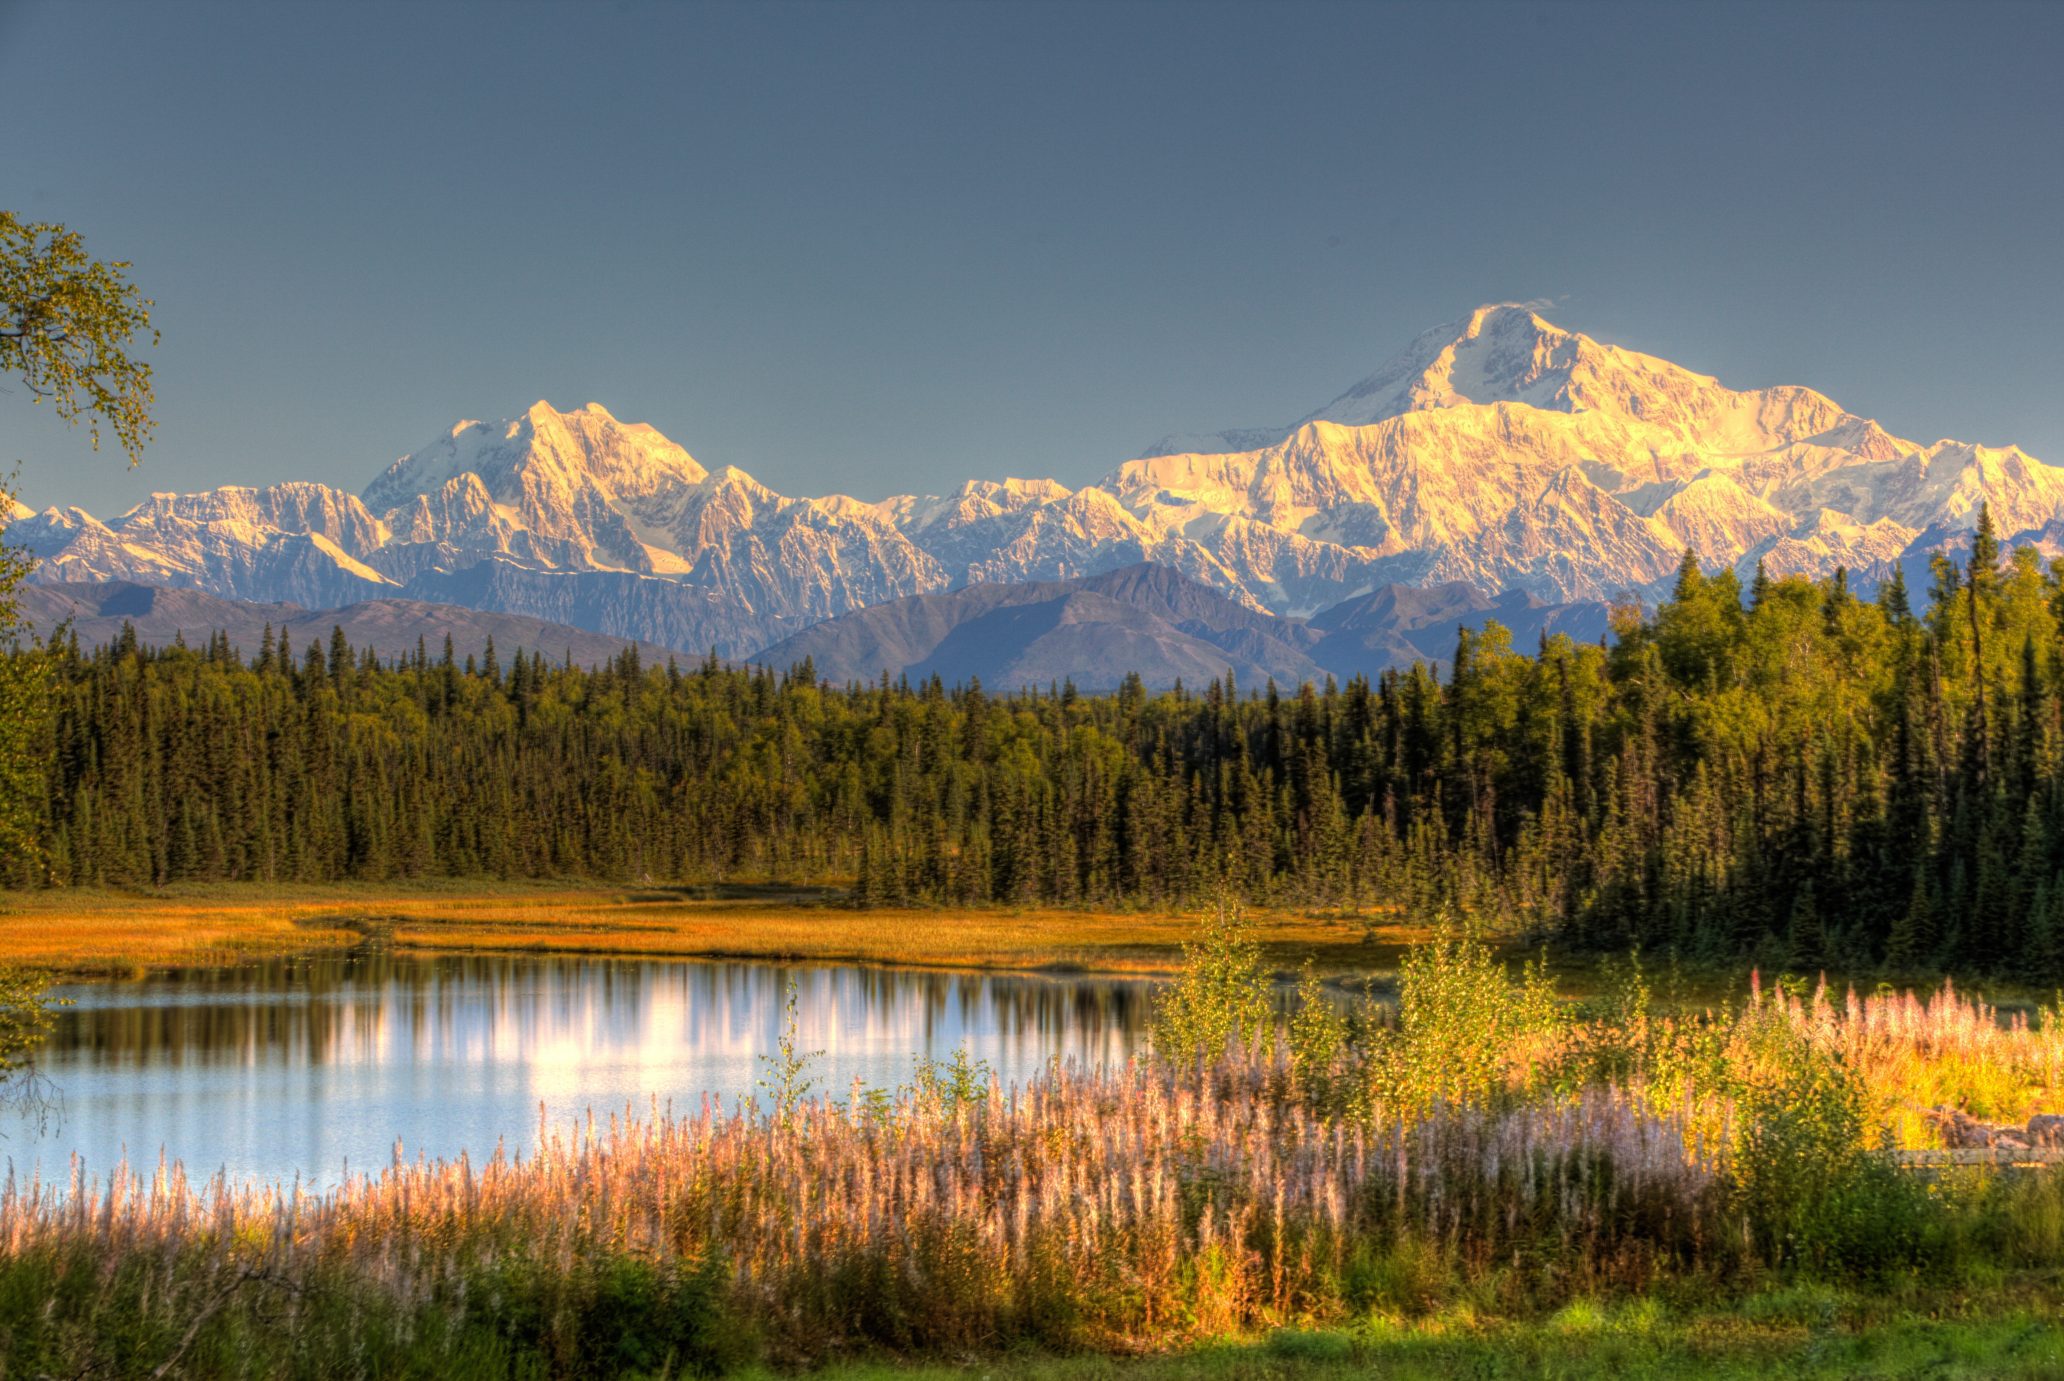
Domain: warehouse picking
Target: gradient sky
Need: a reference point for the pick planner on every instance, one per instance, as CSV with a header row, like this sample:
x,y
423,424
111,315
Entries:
x,y
872,248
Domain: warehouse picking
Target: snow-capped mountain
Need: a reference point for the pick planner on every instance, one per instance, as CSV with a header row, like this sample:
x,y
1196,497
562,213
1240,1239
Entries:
x,y
1500,451
1508,453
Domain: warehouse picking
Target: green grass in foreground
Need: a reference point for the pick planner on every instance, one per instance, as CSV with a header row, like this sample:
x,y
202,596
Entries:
x,y
1799,1331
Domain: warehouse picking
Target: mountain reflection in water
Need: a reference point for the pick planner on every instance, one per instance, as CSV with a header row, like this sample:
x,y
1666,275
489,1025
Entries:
x,y
308,1066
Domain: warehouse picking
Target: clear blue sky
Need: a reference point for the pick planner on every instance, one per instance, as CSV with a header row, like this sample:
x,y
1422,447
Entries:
x,y
872,248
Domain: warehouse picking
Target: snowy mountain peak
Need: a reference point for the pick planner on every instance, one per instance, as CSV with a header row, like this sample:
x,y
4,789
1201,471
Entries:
x,y
543,448
1480,358
543,410
1508,353
1500,451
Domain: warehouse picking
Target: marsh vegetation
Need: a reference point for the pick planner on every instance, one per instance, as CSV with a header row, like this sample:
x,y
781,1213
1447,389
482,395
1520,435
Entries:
x,y
1483,1151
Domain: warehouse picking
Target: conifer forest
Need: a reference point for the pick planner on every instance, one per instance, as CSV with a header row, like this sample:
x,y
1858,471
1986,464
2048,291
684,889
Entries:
x,y
1785,772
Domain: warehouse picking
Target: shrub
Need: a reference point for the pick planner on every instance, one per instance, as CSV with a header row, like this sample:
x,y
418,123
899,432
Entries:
x,y
1221,997
1807,1166
787,1080
962,1081
1467,1033
1318,1044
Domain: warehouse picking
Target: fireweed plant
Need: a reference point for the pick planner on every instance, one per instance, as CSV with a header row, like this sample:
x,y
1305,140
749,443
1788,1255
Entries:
x,y
1481,1144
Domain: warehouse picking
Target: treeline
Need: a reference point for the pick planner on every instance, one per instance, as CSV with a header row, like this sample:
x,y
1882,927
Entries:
x,y
1787,772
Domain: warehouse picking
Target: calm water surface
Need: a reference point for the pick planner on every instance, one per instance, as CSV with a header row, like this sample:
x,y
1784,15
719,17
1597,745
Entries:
x,y
310,1066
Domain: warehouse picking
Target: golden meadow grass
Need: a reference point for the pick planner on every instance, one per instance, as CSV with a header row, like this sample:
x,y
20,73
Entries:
x,y
61,933
1146,1207
1945,1051
92,931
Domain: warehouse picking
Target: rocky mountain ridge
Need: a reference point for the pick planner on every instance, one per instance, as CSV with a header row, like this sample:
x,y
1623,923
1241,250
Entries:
x,y
99,612
1499,452
1151,621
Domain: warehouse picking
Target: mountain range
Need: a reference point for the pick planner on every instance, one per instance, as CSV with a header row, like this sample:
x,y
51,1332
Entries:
x,y
98,611
1500,454
1157,623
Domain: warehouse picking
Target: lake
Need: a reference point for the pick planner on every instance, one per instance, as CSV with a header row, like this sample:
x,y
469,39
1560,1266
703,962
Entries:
x,y
315,1065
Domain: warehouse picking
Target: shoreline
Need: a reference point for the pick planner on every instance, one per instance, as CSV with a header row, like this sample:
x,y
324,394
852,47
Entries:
x,y
113,935
101,934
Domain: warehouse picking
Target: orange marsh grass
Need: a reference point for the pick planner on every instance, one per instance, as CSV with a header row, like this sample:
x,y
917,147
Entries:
x,y
986,939
98,940
95,932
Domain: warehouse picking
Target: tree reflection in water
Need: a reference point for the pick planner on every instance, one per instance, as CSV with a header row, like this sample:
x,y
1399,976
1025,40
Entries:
x,y
303,1066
